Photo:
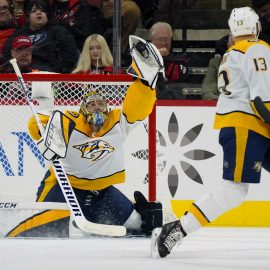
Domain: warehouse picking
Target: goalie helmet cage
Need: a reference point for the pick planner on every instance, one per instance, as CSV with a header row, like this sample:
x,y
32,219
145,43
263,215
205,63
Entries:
x,y
68,90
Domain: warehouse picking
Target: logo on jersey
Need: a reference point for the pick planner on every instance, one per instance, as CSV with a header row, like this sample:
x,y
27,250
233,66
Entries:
x,y
257,166
95,150
226,164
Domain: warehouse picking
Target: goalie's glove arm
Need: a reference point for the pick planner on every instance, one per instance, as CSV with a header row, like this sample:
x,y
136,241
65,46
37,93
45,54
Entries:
x,y
139,102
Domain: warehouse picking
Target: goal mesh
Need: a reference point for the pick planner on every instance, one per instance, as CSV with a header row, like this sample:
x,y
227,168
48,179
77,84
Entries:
x,y
68,91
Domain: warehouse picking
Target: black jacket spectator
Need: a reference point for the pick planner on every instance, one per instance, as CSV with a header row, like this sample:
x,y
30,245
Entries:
x,y
21,50
263,9
7,28
53,45
87,20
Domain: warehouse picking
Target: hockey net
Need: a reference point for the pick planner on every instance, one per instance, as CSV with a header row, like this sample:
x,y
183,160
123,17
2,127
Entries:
x,y
21,164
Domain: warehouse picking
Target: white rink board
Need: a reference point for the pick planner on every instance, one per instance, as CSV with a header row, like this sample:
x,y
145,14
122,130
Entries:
x,y
23,187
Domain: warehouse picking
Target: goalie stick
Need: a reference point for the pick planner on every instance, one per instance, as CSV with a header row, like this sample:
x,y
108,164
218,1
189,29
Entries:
x,y
72,202
262,110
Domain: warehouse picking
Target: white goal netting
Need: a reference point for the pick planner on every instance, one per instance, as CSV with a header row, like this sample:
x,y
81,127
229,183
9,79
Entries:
x,y
21,164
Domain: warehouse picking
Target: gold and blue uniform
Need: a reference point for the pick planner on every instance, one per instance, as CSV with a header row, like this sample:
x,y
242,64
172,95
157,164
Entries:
x,y
244,73
95,161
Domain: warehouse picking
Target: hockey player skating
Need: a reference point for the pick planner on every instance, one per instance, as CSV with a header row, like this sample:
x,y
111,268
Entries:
x,y
244,74
90,144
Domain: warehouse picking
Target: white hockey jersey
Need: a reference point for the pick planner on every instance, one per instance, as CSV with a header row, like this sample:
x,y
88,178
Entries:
x,y
244,73
96,161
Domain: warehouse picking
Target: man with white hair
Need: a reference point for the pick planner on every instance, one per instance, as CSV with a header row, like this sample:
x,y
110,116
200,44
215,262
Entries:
x,y
161,35
243,77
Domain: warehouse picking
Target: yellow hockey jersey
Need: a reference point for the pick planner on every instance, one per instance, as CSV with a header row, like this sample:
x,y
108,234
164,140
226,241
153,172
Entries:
x,y
244,73
96,161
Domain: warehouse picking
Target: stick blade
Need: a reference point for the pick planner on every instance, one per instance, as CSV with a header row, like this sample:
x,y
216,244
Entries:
x,y
101,229
261,109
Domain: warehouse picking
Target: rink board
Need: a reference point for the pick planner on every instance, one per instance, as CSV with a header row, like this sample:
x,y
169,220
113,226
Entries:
x,y
188,147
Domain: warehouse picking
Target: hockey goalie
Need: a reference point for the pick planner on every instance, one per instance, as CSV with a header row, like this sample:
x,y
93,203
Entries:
x,y
90,146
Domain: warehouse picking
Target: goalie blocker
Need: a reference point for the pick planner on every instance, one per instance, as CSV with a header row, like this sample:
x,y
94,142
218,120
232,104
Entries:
x,y
53,143
151,213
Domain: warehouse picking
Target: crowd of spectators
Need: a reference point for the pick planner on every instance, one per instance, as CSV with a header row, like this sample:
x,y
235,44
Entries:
x,y
58,29
75,36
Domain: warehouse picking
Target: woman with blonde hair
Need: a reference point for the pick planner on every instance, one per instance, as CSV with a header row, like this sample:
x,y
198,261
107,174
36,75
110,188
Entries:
x,y
96,57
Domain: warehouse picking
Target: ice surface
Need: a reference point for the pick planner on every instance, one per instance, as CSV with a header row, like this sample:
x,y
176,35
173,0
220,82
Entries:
x,y
210,248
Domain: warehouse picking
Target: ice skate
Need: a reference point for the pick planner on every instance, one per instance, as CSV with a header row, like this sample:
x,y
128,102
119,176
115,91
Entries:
x,y
163,242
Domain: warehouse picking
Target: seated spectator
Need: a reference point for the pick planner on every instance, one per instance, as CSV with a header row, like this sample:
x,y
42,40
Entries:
x,y
148,9
83,18
166,10
130,18
209,84
21,50
6,27
19,12
58,8
96,57
53,45
86,17
161,35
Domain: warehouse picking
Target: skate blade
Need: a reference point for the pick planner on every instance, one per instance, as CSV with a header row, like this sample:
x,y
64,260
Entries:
x,y
154,248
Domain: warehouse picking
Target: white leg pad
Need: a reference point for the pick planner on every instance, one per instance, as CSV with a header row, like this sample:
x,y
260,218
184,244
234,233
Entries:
x,y
134,221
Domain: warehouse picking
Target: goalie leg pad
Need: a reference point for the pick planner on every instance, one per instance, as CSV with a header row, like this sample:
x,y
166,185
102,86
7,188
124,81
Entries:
x,y
151,213
54,141
147,61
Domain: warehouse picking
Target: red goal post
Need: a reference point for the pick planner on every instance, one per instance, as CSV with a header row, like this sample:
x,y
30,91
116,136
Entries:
x,y
68,90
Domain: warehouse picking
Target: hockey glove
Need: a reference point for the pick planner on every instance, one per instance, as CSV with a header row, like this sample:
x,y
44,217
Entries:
x,y
151,212
147,61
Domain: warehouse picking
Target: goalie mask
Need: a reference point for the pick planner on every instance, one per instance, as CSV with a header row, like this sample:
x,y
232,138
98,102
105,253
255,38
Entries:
x,y
94,108
244,21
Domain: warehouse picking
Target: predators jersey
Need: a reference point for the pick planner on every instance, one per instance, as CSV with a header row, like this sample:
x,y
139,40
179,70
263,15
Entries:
x,y
244,73
96,161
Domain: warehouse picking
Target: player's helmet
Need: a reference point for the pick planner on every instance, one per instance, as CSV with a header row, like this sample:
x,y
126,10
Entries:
x,y
244,21
94,108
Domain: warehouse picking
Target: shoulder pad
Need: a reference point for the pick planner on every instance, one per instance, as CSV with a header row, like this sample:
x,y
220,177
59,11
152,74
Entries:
x,y
244,45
